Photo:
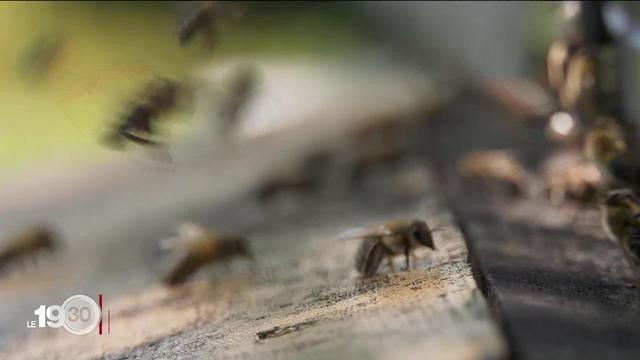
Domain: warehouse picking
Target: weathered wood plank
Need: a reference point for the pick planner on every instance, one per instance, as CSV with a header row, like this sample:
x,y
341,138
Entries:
x,y
559,289
305,276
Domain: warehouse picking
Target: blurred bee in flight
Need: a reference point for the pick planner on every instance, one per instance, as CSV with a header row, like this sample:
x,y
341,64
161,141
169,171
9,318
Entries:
x,y
571,73
198,247
239,91
621,222
199,17
196,17
302,178
27,244
138,125
494,169
381,143
399,237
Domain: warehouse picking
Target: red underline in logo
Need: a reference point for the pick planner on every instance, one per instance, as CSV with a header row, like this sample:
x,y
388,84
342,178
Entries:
x,y
100,304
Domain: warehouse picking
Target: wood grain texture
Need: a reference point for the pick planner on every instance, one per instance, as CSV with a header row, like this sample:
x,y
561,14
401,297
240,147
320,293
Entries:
x,y
305,276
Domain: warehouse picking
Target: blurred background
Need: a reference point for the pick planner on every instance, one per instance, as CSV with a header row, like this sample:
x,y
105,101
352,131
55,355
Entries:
x,y
69,68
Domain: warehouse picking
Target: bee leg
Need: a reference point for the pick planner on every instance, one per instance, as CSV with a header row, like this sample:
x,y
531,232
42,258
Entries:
x,y
407,254
369,255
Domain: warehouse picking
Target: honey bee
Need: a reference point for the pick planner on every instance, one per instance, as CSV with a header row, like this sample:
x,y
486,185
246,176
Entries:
x,y
394,238
494,168
577,91
606,145
294,182
137,126
199,247
621,223
41,56
198,17
571,176
620,207
239,93
558,56
303,178
29,243
380,143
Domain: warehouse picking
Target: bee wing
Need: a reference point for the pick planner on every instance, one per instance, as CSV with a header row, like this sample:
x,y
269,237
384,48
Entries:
x,y
361,232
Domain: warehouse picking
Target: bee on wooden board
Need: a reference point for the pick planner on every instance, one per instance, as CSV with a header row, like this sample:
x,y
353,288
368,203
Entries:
x,y
606,145
621,223
570,176
494,169
138,124
27,244
198,247
398,237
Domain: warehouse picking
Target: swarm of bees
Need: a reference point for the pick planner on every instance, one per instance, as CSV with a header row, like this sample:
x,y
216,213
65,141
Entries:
x,y
197,247
28,244
138,125
399,237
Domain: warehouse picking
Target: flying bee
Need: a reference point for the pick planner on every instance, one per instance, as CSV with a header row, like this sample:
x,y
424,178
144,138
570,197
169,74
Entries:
x,y
28,243
239,92
621,223
386,241
558,56
138,125
198,247
380,143
199,17
577,91
303,178
495,169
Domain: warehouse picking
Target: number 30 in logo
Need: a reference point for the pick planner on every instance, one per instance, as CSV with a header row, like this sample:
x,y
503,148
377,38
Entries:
x,y
79,315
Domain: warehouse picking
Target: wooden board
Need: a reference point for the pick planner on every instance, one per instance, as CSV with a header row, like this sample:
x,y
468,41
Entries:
x,y
559,289
303,283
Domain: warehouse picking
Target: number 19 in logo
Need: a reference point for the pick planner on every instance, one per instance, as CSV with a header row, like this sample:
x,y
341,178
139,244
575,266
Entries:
x,y
79,315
